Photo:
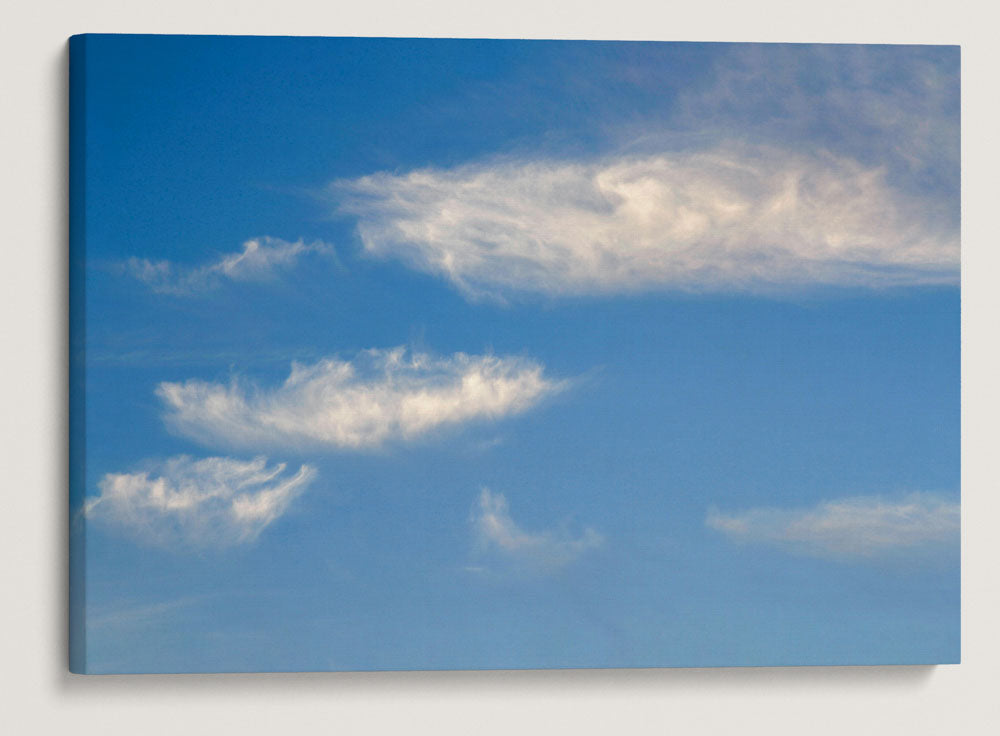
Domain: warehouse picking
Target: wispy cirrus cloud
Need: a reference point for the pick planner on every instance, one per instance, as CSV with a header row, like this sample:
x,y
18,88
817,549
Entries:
x,y
778,166
213,502
260,260
733,217
497,533
851,528
379,396
897,106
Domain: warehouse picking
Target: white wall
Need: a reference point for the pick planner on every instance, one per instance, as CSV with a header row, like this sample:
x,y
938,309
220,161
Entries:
x,y
38,696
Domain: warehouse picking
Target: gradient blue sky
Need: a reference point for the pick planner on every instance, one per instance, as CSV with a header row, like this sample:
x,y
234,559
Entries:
x,y
678,378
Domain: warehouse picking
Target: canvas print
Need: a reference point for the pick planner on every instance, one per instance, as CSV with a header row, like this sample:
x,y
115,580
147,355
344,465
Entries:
x,y
494,354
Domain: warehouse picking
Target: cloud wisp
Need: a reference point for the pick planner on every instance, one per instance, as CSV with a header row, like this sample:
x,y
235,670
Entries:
x,y
897,105
862,527
379,397
731,218
544,551
260,260
213,502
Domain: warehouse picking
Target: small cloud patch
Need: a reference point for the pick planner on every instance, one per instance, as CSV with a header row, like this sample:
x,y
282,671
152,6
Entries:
x,y
499,536
862,527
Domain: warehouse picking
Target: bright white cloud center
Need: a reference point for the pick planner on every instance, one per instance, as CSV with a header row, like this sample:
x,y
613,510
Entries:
x,y
497,532
214,502
380,396
851,527
260,259
725,219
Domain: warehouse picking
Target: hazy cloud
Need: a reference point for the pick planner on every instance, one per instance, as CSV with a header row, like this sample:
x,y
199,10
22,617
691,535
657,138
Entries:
x,y
860,527
120,616
897,106
214,502
379,396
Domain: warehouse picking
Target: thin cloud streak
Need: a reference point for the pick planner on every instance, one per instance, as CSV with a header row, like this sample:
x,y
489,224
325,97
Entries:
x,y
379,397
260,260
138,615
851,528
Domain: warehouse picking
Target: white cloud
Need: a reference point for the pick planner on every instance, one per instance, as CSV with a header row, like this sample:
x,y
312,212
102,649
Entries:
x,y
259,260
729,218
381,395
497,532
214,502
859,527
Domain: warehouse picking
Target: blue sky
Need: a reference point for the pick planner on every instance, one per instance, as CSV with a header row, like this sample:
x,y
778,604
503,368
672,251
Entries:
x,y
411,354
